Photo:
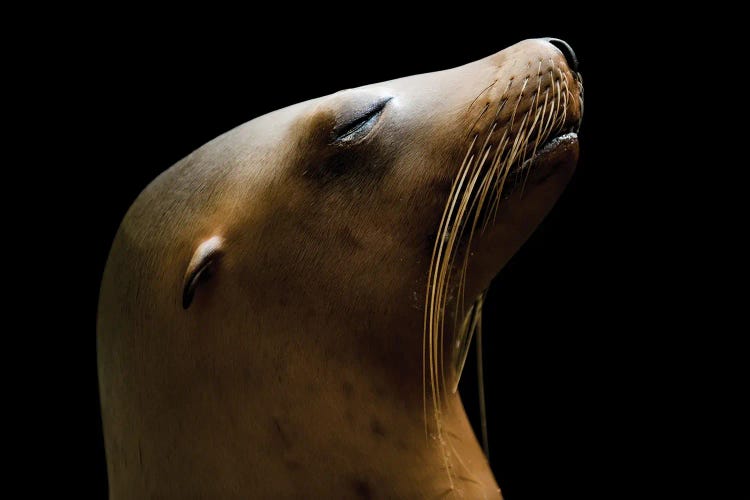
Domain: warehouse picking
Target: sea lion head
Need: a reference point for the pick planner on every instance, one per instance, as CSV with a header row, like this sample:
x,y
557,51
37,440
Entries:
x,y
298,283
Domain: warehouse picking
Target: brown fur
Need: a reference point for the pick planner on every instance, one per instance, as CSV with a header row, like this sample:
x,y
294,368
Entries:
x,y
296,369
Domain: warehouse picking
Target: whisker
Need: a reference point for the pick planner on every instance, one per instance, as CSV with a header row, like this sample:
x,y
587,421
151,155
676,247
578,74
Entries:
x,y
486,107
488,87
430,313
518,101
477,192
503,100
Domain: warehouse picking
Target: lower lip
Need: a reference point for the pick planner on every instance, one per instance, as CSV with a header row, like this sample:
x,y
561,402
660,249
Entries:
x,y
547,161
550,150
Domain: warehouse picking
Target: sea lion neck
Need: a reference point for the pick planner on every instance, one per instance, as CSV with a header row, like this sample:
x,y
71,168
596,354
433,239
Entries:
x,y
309,425
278,418
346,432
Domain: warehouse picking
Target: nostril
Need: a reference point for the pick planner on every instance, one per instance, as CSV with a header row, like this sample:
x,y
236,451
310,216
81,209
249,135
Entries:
x,y
567,51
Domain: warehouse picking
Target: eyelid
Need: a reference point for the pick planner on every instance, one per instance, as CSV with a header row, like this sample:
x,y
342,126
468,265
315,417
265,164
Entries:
x,y
362,124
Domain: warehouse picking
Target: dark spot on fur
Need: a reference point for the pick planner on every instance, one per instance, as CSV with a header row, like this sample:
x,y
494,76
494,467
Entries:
x,y
293,465
362,489
310,314
282,435
348,390
349,416
348,239
377,427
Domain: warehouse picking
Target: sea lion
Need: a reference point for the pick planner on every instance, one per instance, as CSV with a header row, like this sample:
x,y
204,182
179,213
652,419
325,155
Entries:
x,y
282,313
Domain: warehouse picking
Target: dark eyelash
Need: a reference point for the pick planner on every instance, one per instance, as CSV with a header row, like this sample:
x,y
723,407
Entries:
x,y
346,132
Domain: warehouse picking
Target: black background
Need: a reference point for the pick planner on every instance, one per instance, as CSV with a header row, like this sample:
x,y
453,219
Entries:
x,y
556,333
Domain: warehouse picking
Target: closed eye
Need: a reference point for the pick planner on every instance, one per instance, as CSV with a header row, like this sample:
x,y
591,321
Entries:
x,y
362,124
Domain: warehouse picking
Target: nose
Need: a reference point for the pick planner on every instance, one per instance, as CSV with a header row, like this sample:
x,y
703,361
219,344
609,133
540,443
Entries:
x,y
567,51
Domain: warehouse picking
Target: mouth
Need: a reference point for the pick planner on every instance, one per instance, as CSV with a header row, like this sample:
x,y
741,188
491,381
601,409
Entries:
x,y
549,159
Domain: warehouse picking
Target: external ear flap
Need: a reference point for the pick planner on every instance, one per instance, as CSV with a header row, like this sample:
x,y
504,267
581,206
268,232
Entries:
x,y
201,264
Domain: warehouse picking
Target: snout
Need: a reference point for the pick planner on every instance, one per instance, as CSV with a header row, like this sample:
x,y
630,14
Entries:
x,y
533,90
